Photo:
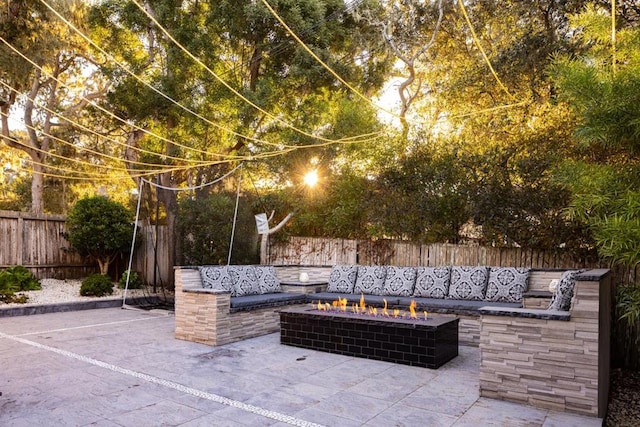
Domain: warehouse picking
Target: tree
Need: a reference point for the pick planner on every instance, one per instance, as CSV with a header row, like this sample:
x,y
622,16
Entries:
x,y
244,46
602,86
100,229
409,29
603,90
423,197
37,86
205,225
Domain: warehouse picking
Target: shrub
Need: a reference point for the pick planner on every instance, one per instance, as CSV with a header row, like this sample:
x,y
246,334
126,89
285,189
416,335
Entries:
x,y
16,279
96,285
23,279
135,282
100,229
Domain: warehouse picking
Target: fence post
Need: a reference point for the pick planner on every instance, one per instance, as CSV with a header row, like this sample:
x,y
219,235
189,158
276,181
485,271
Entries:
x,y
19,243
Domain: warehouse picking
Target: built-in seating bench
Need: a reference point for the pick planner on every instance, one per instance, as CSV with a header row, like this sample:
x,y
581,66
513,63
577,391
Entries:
x,y
217,305
450,291
553,359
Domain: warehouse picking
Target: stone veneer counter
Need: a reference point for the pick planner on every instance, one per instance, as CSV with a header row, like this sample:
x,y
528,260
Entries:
x,y
426,343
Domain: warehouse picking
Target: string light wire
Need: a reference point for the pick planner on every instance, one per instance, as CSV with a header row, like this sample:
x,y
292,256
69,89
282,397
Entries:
x,y
484,55
232,89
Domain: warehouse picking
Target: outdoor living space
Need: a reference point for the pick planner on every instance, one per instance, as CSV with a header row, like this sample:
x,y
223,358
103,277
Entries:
x,y
123,367
556,358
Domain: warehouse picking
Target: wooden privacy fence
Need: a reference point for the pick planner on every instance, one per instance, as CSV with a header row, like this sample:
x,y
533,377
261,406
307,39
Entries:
x,y
37,242
320,251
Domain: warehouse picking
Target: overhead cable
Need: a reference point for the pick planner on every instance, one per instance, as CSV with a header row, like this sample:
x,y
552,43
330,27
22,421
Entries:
x,y
235,91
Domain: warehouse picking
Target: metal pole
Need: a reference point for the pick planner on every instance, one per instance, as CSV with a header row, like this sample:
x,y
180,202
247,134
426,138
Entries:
x,y
235,217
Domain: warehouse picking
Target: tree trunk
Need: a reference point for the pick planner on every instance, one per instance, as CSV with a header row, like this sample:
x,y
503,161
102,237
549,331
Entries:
x,y
264,242
254,68
37,189
104,266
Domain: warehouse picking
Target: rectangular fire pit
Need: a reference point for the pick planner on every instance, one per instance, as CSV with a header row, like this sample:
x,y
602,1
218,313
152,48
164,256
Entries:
x,y
417,342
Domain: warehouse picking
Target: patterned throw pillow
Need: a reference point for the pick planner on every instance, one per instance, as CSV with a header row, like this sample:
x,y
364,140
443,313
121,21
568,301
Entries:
x,y
432,282
399,281
216,277
506,284
561,299
468,283
370,279
342,279
245,281
267,279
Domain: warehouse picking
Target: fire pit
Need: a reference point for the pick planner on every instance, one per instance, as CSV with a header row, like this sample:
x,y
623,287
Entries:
x,y
429,341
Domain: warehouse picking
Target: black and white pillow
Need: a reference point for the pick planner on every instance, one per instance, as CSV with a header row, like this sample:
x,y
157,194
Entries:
x,y
370,279
245,281
216,277
561,299
399,281
267,279
342,279
468,283
432,282
506,284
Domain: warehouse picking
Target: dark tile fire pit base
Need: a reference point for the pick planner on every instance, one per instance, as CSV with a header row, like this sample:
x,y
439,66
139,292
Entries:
x,y
426,343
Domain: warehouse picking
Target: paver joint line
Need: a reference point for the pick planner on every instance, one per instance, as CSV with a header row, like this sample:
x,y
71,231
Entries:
x,y
169,384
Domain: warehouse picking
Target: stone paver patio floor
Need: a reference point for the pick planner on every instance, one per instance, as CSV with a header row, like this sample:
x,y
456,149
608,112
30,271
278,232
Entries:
x,y
115,367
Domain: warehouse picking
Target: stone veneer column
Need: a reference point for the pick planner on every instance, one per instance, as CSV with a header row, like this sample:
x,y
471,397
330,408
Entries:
x,y
551,359
201,315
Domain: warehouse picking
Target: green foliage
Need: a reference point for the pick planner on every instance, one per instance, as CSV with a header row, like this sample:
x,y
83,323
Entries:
x,y
100,228
602,87
205,226
17,279
96,285
423,197
135,282
627,328
20,278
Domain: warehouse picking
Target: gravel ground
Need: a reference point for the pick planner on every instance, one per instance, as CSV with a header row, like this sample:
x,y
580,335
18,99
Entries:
x,y
624,399
57,291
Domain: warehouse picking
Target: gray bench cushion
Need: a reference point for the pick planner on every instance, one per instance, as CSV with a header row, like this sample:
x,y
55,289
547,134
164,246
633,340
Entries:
x,y
370,280
252,302
468,283
216,277
506,284
342,278
245,281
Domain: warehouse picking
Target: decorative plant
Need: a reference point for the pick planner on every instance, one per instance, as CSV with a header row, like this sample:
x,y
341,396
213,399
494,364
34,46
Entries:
x,y
135,282
100,229
16,279
96,285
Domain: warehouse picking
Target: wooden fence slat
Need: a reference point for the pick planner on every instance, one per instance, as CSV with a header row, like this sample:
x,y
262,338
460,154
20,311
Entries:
x,y
303,251
38,242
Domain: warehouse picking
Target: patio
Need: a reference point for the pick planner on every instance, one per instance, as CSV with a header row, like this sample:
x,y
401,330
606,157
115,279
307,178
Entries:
x,y
111,367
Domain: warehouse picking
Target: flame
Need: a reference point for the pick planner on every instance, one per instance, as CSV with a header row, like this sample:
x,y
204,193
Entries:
x,y
412,309
341,304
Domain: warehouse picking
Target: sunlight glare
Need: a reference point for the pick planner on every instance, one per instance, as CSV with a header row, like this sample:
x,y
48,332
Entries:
x,y
311,178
